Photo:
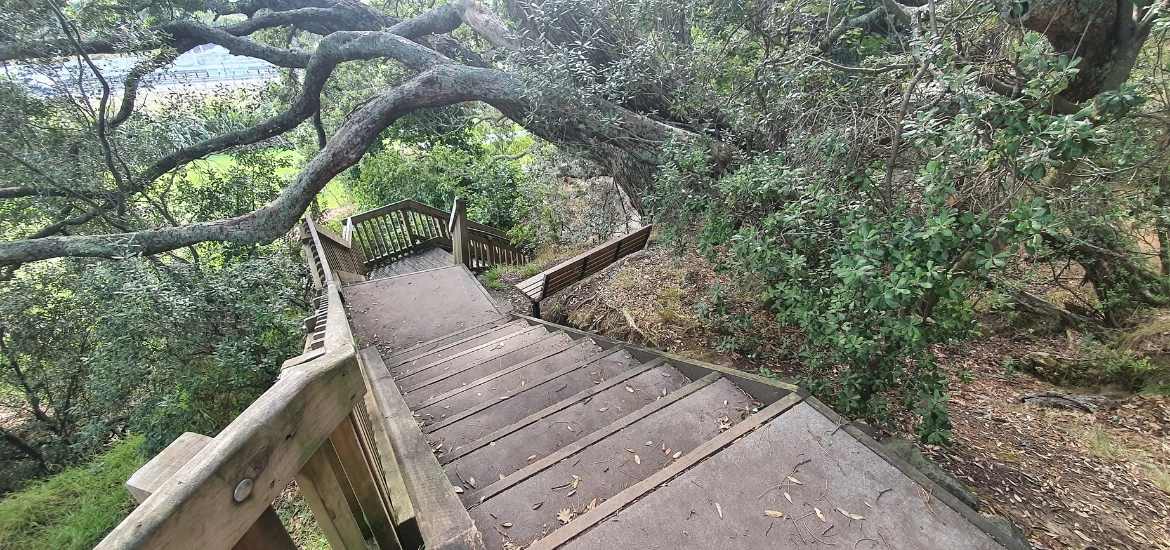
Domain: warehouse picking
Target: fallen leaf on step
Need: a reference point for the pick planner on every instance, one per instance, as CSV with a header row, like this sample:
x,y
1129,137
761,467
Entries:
x,y
719,510
637,459
471,482
575,483
459,490
571,493
629,389
676,455
850,516
531,458
565,516
794,480
592,504
538,505
820,516
603,409
773,513
787,497
506,524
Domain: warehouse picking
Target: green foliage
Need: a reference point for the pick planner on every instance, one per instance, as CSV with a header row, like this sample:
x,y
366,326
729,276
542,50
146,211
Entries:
x,y
157,348
1103,365
75,508
494,278
435,175
736,334
869,289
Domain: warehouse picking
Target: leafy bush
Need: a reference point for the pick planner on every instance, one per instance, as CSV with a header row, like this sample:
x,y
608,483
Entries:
x,y
870,291
1102,365
436,174
95,348
74,508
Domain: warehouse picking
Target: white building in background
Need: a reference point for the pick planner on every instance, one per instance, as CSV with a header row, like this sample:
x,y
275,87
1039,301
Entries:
x,y
204,66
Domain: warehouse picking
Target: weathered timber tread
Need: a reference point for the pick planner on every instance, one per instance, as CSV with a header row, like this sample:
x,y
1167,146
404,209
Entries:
x,y
841,476
463,428
400,312
429,366
430,258
530,440
457,341
441,518
448,374
502,383
601,468
585,396
439,386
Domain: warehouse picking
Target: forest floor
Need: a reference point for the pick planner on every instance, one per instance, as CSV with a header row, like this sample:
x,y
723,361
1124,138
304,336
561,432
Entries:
x,y
1069,479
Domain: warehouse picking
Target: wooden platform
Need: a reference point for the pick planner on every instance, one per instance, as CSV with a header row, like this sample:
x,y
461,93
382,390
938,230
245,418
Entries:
x,y
431,258
395,313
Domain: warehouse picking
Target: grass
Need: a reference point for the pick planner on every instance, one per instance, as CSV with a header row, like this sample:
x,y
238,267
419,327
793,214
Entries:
x,y
494,277
75,508
298,520
1159,476
1100,444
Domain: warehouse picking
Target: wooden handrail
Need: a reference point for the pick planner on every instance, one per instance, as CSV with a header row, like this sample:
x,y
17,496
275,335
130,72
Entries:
x,y
557,278
408,204
389,233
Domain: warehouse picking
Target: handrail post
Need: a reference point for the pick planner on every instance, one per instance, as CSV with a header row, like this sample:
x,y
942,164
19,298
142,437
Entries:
x,y
267,533
460,240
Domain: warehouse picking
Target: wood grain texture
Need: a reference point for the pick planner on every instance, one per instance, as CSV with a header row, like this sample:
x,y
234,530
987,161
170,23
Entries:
x,y
442,520
268,443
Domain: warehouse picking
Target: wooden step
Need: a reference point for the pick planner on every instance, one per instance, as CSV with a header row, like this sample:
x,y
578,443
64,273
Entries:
x,y
441,385
505,382
489,416
835,473
509,449
442,363
458,341
600,465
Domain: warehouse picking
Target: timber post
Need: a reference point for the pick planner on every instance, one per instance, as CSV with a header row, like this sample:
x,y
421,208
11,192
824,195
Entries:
x,y
460,239
267,533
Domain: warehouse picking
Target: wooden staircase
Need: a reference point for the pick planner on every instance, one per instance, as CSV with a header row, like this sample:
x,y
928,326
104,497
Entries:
x,y
421,415
542,436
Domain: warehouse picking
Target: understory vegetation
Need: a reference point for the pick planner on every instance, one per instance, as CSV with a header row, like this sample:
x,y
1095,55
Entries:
x,y
73,508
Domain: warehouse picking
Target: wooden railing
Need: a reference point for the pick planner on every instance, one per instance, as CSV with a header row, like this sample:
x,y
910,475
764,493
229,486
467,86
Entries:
x,y
557,278
313,425
389,233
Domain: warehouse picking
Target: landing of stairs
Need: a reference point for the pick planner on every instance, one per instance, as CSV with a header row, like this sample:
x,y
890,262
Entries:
x,y
431,258
395,313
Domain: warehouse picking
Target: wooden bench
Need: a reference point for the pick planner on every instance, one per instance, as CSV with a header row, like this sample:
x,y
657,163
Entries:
x,y
560,277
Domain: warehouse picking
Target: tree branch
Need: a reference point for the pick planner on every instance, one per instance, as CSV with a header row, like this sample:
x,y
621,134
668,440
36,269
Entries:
x,y
440,86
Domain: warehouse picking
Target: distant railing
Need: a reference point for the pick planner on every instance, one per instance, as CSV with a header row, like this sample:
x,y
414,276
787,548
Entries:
x,y
561,276
392,232
313,425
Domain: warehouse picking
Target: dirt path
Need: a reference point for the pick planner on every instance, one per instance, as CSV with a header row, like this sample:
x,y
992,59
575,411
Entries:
x,y
1070,479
